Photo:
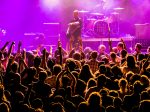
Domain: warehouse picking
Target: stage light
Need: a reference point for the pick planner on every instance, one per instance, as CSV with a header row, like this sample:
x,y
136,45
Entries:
x,y
49,4
2,32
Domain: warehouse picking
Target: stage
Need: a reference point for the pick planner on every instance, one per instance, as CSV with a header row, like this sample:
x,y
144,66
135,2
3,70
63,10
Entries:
x,y
94,42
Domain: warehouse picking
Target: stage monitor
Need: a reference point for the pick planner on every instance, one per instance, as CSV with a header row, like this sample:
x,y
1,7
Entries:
x,y
142,31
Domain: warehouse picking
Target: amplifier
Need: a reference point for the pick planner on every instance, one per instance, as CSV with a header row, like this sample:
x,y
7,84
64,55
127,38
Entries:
x,y
142,31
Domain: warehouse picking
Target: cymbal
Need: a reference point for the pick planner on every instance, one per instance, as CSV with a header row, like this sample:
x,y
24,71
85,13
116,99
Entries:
x,y
91,19
97,14
118,8
115,13
83,11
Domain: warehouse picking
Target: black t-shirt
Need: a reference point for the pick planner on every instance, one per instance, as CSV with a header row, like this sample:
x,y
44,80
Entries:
x,y
76,30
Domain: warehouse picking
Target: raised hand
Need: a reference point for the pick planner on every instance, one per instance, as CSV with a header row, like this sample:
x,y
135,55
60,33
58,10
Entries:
x,y
109,41
123,43
13,43
24,53
2,49
19,44
59,43
80,48
7,43
110,44
44,51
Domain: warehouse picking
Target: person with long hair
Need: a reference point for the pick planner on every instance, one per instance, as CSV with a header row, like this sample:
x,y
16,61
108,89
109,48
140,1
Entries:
x,y
131,65
123,85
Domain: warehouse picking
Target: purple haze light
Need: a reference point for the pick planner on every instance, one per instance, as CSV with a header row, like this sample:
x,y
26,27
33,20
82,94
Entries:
x,y
49,4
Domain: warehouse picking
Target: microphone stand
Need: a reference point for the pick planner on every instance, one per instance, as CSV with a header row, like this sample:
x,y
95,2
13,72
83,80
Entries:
x,y
109,41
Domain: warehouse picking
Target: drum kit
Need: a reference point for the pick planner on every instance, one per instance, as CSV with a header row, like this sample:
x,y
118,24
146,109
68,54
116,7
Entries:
x,y
101,24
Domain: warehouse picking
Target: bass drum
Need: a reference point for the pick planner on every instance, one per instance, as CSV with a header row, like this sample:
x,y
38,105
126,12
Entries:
x,y
100,28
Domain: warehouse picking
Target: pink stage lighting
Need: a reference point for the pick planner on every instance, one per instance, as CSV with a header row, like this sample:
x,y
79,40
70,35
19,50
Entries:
x,y
49,4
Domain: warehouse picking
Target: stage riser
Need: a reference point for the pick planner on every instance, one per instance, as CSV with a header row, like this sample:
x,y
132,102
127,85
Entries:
x,y
95,44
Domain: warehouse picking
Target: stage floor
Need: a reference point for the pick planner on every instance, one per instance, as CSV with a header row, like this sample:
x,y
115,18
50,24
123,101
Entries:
x,y
93,39
94,42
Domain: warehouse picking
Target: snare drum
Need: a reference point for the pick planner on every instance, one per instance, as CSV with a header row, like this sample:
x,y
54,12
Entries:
x,y
101,28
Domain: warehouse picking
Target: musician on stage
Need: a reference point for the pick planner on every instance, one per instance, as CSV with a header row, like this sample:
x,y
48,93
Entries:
x,y
74,31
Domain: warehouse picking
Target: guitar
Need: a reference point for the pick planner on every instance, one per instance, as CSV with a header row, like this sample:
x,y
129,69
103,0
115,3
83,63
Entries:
x,y
73,26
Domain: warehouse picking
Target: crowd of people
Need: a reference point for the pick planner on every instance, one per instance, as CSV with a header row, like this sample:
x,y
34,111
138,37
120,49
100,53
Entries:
x,y
80,80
